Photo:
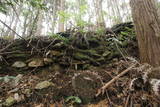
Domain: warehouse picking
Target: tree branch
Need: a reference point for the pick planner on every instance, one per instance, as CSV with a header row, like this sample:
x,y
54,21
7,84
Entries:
x,y
18,36
102,89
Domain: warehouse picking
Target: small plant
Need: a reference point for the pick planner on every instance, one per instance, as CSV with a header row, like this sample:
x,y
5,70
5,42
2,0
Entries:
x,y
124,33
100,31
73,100
59,37
64,16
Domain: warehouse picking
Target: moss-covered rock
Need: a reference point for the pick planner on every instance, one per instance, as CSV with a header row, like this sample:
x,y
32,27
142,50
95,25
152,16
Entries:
x,y
43,84
19,64
9,101
86,85
38,62
89,47
81,56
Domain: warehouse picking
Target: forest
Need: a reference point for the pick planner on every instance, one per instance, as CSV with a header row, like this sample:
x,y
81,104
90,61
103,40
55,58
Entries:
x,y
79,53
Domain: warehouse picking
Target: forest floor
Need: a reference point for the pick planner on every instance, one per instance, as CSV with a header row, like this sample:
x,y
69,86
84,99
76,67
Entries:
x,y
84,70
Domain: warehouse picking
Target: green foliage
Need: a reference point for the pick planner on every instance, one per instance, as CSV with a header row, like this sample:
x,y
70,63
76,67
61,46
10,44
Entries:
x,y
104,13
128,32
73,100
83,8
81,23
158,4
64,16
113,41
3,8
4,5
25,12
77,16
124,33
100,31
128,29
37,4
59,37
82,11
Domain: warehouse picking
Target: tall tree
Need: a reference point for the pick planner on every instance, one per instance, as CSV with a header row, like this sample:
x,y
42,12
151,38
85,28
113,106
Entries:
x,y
99,14
53,15
147,26
18,13
61,8
39,24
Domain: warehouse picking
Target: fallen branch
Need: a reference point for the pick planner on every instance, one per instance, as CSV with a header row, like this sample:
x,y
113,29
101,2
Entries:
x,y
18,36
127,100
102,89
3,49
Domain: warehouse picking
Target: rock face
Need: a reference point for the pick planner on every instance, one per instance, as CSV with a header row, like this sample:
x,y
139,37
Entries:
x,y
86,85
84,48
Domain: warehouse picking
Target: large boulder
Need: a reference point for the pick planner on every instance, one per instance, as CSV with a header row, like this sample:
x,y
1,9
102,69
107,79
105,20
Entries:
x,y
86,85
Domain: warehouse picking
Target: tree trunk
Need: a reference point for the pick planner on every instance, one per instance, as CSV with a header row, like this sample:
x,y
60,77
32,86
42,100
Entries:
x,y
39,24
60,23
54,15
99,14
25,25
147,28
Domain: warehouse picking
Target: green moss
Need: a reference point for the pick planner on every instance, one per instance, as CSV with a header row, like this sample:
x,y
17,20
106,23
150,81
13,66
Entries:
x,y
90,52
101,60
124,44
81,56
106,53
20,55
59,37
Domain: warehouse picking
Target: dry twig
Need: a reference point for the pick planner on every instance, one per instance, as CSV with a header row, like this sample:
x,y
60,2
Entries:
x,y
102,89
127,100
18,36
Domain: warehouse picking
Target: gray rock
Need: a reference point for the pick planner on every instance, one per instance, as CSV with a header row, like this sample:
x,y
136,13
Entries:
x,y
44,84
58,45
16,81
1,104
18,97
19,64
47,61
86,85
36,63
27,92
7,78
9,101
